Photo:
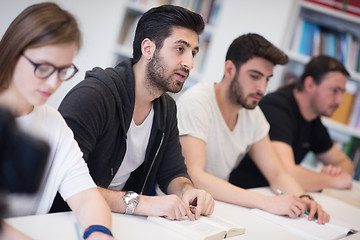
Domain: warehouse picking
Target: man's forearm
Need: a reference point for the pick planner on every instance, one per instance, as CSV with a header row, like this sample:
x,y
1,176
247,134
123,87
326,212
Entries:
x,y
311,181
179,185
286,183
347,166
113,199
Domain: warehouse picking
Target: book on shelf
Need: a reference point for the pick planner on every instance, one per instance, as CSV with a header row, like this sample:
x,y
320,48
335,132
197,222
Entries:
x,y
329,44
128,28
351,146
306,38
357,170
354,120
343,113
352,150
332,230
352,7
346,6
214,12
333,4
312,39
205,228
207,9
351,196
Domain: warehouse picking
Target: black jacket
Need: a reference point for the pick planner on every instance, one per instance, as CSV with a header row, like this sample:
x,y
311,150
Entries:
x,y
99,111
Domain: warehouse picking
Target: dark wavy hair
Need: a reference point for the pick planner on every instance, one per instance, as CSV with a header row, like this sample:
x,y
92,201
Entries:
x,y
250,45
318,67
157,23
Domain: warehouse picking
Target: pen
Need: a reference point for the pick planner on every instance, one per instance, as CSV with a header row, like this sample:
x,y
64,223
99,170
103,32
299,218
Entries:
x,y
279,192
307,213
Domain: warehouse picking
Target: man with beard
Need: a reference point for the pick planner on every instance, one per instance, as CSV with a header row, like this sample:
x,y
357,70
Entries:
x,y
126,124
294,113
220,122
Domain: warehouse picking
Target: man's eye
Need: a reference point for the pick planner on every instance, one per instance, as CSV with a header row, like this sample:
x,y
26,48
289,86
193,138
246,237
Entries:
x,y
253,76
336,91
180,49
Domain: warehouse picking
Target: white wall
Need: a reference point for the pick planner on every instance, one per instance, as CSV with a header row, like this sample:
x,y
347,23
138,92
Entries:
x,y
99,23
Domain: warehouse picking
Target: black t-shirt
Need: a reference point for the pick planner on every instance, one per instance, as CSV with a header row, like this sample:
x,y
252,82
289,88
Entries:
x,y
286,125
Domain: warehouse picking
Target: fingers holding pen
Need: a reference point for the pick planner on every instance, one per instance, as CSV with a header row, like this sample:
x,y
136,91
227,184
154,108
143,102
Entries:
x,y
315,211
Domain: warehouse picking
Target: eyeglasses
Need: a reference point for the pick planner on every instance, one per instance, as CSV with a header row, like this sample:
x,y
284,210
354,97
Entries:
x,y
45,70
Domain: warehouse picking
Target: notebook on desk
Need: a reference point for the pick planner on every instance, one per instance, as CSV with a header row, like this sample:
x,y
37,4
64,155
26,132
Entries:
x,y
309,229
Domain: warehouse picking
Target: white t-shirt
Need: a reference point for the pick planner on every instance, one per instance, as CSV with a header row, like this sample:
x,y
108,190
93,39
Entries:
x,y
66,171
199,116
136,144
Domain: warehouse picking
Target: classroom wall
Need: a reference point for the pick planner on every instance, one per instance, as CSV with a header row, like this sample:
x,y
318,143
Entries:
x,y
100,21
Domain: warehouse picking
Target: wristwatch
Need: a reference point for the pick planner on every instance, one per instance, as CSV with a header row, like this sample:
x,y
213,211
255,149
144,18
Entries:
x,y
130,199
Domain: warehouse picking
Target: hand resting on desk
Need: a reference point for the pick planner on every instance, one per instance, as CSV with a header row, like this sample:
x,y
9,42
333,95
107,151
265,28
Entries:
x,y
174,207
292,206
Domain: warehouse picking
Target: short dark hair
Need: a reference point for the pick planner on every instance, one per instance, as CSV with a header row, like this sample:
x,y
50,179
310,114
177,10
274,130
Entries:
x,y
157,23
38,25
252,45
318,67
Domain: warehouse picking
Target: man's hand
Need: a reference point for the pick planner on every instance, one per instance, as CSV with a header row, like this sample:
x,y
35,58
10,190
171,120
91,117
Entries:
x,y
331,170
340,181
199,201
293,206
286,204
168,206
315,210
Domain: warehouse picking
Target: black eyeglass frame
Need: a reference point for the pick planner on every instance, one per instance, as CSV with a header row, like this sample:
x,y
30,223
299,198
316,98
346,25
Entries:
x,y
58,69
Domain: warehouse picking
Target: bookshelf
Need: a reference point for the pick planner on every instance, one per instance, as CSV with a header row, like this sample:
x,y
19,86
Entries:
x,y
324,27
133,10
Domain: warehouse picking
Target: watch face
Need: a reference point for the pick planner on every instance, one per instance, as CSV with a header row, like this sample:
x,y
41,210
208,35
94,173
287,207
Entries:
x,y
131,197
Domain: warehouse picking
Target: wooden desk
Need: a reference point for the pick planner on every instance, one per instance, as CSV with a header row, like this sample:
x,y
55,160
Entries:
x,y
63,225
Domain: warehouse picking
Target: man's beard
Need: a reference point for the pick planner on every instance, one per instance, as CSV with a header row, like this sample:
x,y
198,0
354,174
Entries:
x,y
317,110
157,78
237,94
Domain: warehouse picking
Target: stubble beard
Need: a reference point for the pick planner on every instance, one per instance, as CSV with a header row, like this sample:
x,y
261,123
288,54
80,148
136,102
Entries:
x,y
156,78
237,95
318,112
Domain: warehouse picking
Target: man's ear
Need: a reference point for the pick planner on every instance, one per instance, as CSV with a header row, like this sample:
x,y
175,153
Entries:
x,y
309,84
147,48
229,70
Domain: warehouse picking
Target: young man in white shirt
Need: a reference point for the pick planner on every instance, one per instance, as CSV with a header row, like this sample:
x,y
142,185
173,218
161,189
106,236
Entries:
x,y
220,122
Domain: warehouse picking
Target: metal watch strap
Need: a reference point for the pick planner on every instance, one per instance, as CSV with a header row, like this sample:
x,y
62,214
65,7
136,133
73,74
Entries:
x,y
131,200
